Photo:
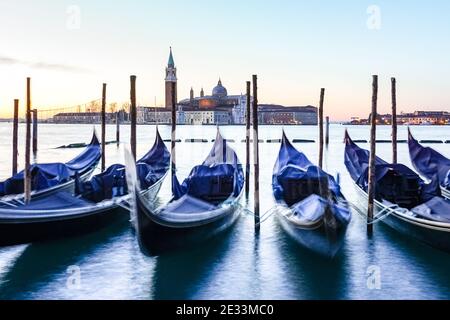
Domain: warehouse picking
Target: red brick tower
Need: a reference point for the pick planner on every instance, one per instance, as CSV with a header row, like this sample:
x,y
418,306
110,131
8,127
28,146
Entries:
x,y
171,77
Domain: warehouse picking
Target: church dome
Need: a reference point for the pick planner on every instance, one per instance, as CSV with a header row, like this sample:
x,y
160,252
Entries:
x,y
220,91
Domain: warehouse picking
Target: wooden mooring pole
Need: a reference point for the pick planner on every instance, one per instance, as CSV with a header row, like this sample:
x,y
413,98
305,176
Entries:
x,y
322,97
327,131
256,150
174,134
373,135
35,133
15,136
118,128
27,180
394,121
103,126
133,115
247,140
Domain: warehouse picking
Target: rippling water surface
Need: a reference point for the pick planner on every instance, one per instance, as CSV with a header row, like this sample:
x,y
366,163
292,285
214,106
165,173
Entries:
x,y
239,264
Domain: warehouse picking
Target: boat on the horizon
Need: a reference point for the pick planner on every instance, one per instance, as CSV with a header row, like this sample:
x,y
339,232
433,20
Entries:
x,y
202,207
430,164
403,201
49,178
310,205
100,201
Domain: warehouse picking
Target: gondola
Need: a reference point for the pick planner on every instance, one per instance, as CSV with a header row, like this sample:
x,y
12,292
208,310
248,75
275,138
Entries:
x,y
403,200
97,202
310,205
49,178
430,164
201,208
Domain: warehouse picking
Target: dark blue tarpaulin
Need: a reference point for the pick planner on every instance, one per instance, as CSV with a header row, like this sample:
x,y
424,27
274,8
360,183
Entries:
x,y
46,175
112,183
220,176
292,186
294,165
428,162
430,205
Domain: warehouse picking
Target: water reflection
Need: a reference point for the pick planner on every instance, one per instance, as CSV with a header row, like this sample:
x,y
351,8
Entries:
x,y
416,259
40,263
309,275
183,274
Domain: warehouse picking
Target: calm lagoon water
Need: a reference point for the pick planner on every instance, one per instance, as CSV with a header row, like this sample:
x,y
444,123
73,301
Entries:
x,y
238,265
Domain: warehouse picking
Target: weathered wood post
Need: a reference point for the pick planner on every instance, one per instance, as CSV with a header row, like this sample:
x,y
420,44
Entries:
x,y
27,180
174,135
103,126
117,128
394,121
322,97
35,132
373,137
247,140
256,150
15,136
133,115
327,131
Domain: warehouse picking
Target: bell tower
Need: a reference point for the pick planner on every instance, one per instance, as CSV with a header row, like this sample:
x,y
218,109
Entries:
x,y
171,77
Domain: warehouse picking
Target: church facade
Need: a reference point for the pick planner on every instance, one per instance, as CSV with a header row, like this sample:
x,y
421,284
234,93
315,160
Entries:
x,y
219,108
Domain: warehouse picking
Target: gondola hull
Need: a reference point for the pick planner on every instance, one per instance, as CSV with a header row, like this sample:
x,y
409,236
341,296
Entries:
x,y
157,237
445,192
436,235
46,225
319,238
47,229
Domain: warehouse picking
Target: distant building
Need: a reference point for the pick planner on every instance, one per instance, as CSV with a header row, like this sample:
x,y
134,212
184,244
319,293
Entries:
x,y
218,108
414,118
425,117
171,81
83,117
276,114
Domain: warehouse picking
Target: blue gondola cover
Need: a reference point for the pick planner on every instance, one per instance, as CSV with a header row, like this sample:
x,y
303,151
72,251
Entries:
x,y
294,166
220,176
48,175
428,203
428,162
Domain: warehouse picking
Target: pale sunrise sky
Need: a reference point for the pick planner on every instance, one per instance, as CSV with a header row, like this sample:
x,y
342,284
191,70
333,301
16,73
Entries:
x,y
70,48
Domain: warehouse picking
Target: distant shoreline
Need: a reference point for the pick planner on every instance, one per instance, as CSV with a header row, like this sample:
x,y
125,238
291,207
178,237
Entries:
x,y
237,125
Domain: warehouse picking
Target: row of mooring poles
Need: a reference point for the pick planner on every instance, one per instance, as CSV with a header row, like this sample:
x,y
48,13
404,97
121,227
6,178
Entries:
x,y
394,120
35,133
15,136
372,159
103,126
31,133
117,128
173,135
133,115
256,151
27,181
247,140
30,117
321,140
252,119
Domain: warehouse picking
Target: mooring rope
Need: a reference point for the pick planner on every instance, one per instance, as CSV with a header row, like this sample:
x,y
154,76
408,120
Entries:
x,y
379,217
264,217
